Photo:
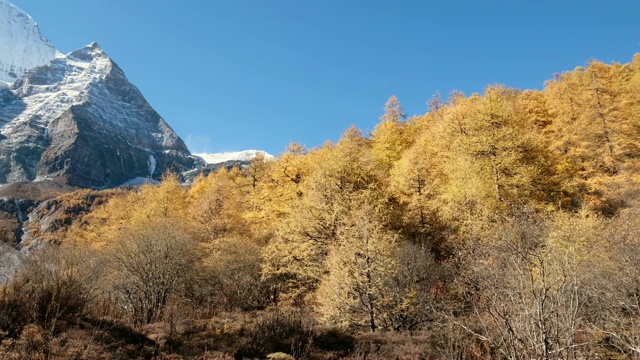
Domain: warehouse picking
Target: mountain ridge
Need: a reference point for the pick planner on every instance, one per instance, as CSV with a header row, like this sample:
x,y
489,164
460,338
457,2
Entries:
x,y
244,155
77,119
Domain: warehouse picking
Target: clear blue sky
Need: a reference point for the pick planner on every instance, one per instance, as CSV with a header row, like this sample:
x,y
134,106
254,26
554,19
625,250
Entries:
x,y
257,74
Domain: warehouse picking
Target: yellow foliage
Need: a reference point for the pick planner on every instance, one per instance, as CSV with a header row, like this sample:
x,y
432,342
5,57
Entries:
x,y
390,138
216,207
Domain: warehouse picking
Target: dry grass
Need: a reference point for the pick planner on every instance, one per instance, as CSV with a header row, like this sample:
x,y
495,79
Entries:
x,y
37,191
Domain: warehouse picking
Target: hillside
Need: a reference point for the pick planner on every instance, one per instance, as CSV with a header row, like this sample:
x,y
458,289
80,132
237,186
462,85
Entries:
x,y
498,225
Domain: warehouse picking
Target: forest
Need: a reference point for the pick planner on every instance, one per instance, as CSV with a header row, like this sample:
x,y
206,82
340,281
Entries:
x,y
502,225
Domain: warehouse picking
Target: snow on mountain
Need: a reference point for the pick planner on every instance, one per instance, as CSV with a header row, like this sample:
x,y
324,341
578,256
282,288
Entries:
x,y
22,46
75,118
246,156
78,119
48,91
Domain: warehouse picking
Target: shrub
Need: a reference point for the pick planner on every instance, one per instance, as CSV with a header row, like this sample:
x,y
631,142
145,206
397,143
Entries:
x,y
286,331
55,286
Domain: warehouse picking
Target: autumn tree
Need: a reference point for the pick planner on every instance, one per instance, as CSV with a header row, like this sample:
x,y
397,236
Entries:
x,y
165,200
527,286
594,131
56,285
119,209
280,187
361,263
295,258
234,275
389,139
216,207
490,159
616,306
229,272
415,181
150,261
415,290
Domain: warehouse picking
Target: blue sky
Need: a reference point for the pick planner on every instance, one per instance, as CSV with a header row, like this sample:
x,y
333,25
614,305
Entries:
x,y
256,74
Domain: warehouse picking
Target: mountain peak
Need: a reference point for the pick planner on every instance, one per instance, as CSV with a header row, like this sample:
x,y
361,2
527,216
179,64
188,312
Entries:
x,y
88,53
22,46
75,118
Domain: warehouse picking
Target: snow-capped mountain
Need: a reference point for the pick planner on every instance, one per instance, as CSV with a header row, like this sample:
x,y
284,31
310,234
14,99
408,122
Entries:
x,y
213,162
22,46
77,118
240,156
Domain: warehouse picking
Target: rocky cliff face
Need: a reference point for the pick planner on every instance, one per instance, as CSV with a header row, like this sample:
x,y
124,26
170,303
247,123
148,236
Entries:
x,y
37,214
75,118
79,120
13,215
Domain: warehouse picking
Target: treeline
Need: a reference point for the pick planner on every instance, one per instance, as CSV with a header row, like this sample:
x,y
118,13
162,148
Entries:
x,y
501,225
